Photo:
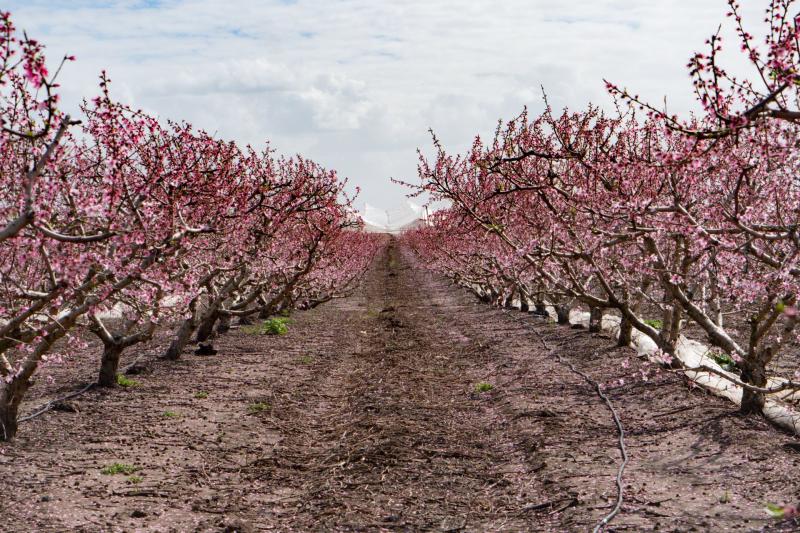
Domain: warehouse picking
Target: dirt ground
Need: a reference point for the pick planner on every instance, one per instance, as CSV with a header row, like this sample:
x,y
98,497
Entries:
x,y
367,416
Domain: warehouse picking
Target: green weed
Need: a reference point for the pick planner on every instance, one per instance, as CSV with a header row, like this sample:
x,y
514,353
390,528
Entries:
x,y
124,381
258,407
273,326
119,468
724,360
654,323
483,387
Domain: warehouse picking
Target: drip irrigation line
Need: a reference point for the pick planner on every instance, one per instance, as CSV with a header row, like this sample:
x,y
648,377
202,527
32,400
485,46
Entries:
x,y
49,405
617,421
52,403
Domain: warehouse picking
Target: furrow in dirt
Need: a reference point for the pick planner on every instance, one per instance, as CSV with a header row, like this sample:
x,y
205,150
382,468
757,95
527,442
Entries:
x,y
367,416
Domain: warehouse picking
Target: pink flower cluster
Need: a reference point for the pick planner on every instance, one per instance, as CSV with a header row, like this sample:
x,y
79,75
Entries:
x,y
659,219
120,223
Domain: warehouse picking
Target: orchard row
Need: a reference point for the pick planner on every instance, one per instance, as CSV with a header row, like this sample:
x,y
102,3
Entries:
x,y
665,221
114,222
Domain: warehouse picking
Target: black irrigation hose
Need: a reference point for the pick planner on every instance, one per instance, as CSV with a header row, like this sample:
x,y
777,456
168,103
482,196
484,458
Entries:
x,y
620,430
49,405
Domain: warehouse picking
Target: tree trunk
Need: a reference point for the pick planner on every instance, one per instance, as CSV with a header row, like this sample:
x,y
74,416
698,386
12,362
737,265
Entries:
x,y
8,422
11,395
715,304
181,340
754,372
625,332
508,301
285,305
206,328
666,321
109,364
541,309
524,305
625,326
224,324
675,324
716,311
562,314
246,320
595,319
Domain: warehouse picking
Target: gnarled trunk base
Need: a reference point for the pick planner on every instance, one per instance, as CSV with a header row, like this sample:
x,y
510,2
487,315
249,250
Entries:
x,y
540,309
753,402
180,341
109,364
562,314
11,395
595,319
206,328
625,333
8,423
224,324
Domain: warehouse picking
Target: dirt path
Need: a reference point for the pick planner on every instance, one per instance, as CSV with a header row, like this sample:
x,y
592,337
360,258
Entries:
x,y
366,417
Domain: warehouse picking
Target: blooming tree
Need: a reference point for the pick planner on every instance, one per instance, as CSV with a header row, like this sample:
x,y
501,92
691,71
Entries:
x,y
120,223
641,212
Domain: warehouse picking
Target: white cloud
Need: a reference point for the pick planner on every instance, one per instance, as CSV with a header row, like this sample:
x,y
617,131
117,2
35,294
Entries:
x,y
338,102
355,84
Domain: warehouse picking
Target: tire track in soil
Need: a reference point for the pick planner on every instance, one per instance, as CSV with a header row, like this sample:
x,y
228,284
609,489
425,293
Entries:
x,y
370,422
393,436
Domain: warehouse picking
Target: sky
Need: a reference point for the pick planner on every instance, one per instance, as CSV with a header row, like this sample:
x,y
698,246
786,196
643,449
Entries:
x,y
356,84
